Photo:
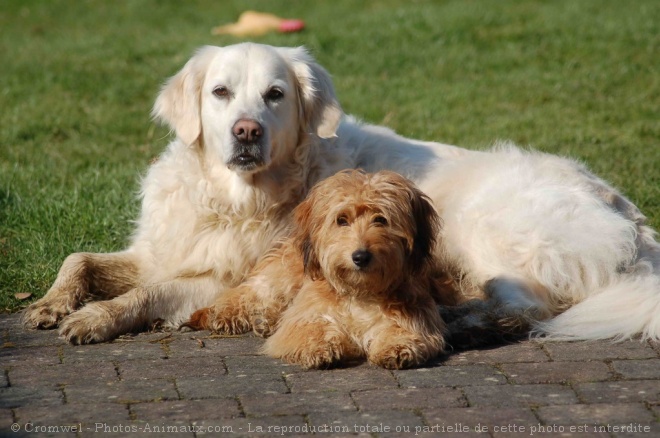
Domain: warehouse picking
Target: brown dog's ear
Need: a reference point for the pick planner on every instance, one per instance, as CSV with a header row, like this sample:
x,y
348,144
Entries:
x,y
427,224
321,112
179,101
302,236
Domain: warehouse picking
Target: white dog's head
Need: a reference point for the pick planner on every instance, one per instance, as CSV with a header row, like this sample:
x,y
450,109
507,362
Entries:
x,y
249,104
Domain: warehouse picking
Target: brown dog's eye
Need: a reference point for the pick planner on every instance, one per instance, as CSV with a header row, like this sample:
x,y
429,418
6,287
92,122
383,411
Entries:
x,y
380,220
342,221
274,94
221,92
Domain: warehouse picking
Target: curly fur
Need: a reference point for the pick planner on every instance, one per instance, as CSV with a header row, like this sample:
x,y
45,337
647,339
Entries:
x,y
326,305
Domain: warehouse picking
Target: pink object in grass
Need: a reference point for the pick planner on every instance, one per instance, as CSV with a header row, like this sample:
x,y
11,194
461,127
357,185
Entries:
x,y
291,26
253,23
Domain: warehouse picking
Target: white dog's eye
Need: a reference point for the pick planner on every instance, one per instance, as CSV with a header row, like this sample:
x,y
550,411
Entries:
x,y
380,220
274,94
221,92
342,221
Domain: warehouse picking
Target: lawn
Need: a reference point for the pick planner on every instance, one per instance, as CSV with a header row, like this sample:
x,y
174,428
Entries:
x,y
78,78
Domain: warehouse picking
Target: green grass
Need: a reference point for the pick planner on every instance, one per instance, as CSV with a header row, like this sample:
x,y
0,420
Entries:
x,y
78,79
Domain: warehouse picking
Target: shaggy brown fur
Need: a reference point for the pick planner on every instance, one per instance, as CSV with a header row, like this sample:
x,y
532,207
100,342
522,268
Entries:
x,y
354,280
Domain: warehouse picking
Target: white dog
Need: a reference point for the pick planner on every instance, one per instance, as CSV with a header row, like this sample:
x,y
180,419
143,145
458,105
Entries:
x,y
257,126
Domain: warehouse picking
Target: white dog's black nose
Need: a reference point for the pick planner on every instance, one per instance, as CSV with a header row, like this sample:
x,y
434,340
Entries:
x,y
247,130
361,258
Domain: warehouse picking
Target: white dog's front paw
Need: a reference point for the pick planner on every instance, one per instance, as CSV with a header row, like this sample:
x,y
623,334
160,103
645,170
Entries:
x,y
48,311
91,324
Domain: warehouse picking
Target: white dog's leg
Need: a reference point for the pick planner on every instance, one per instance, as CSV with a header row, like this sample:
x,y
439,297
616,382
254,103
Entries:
x,y
516,302
172,302
83,277
509,309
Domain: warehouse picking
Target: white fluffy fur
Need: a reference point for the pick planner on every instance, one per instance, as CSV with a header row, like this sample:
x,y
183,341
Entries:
x,y
559,236
551,235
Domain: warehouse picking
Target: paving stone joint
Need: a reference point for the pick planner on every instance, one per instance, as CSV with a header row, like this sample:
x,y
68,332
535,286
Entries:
x,y
199,384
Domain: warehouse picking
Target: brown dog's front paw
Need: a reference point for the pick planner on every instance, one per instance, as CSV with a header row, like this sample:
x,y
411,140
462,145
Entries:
x,y
318,357
198,320
218,320
316,344
397,357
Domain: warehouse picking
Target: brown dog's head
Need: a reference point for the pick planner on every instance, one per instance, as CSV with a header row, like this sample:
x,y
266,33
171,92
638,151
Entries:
x,y
365,233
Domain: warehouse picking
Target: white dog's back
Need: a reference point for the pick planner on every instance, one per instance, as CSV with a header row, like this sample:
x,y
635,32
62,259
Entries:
x,y
561,235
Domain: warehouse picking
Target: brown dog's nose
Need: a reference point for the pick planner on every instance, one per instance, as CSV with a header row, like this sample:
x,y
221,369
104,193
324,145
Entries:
x,y
361,258
247,130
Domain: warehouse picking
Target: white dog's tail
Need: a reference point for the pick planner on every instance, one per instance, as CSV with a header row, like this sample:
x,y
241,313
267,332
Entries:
x,y
622,310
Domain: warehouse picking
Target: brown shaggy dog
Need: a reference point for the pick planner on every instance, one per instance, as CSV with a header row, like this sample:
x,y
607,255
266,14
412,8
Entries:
x,y
353,281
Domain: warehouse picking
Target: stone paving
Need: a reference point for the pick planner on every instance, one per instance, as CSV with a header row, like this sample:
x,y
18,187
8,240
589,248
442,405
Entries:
x,y
197,384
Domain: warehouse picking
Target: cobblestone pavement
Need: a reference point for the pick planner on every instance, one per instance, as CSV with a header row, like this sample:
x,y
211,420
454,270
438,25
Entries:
x,y
196,384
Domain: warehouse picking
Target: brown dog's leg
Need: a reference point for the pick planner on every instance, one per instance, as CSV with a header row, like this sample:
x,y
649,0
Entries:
x,y
83,276
229,314
409,334
242,309
396,348
257,303
315,343
309,332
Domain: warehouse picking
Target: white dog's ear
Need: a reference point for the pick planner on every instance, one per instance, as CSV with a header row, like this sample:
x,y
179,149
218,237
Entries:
x,y
321,112
178,103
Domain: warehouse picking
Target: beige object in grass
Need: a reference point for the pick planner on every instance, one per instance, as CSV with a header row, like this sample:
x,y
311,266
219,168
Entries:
x,y
252,23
